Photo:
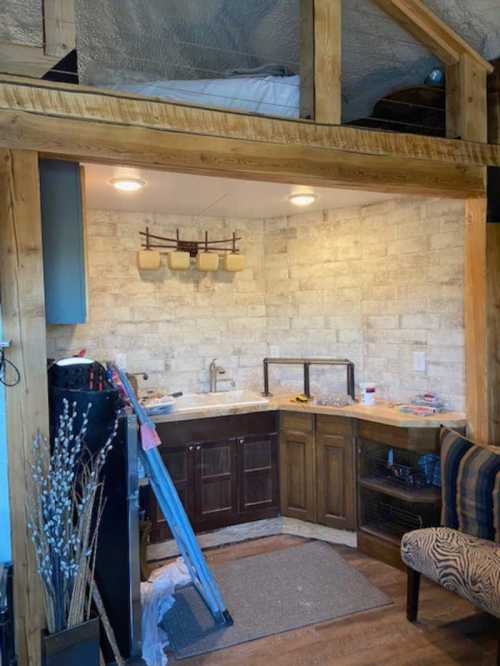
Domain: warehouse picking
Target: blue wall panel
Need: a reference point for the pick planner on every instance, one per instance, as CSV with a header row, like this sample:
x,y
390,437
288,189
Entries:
x,y
63,242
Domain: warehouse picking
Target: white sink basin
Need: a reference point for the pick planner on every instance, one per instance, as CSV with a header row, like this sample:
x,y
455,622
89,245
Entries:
x,y
194,401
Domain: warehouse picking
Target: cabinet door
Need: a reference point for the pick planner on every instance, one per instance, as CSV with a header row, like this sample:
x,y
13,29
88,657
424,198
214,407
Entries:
x,y
258,474
215,484
297,474
63,235
336,473
179,463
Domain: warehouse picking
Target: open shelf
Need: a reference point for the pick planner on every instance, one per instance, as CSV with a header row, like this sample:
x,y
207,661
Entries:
x,y
380,533
429,495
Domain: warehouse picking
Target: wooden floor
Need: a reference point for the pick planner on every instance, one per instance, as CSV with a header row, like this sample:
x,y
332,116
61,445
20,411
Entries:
x,y
449,630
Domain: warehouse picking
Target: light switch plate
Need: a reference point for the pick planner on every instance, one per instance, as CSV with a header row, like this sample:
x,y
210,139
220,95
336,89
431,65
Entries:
x,y
419,361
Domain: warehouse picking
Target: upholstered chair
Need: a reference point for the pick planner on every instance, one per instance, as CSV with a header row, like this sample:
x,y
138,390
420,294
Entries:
x,y
464,554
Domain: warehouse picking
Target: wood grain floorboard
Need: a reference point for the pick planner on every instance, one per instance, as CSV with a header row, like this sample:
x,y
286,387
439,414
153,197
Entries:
x,y
449,632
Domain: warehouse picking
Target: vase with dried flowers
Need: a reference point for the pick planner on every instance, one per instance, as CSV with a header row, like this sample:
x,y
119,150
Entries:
x,y
65,504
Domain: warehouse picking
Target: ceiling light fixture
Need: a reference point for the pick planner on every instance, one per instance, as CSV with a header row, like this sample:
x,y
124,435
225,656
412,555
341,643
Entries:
x,y
302,198
128,184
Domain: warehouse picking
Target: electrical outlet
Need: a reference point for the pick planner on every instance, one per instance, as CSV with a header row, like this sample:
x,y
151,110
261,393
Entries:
x,y
419,361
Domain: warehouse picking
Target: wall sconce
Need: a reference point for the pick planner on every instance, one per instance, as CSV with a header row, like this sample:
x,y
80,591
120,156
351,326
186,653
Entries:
x,y
148,260
205,252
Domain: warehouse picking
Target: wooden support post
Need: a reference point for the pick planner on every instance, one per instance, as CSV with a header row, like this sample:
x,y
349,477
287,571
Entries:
x,y
493,313
59,27
476,321
466,101
494,104
321,60
23,315
307,59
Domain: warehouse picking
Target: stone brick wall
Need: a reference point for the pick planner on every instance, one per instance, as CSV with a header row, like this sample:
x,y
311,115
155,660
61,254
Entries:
x,y
372,283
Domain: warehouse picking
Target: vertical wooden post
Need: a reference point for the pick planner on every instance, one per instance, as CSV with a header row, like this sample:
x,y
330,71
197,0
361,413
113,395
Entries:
x,y
494,104
476,321
493,240
466,101
307,59
321,60
23,313
328,61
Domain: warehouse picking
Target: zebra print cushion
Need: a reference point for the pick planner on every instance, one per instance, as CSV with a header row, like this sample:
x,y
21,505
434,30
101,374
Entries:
x,y
460,563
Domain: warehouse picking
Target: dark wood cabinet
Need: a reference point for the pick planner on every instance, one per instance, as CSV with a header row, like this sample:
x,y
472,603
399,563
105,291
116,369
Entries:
x,y
297,468
225,470
317,469
335,464
215,482
258,473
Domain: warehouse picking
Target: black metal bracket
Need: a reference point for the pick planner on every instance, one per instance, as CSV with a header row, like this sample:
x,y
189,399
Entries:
x,y
155,242
306,365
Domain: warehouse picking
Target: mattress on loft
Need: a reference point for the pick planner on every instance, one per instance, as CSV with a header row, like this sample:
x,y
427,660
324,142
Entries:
x,y
267,95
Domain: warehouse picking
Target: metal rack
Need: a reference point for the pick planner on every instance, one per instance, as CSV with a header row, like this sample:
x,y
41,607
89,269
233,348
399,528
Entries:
x,y
155,242
306,363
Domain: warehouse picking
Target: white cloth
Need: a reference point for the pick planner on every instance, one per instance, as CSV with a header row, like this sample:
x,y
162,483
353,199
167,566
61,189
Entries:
x,y
157,597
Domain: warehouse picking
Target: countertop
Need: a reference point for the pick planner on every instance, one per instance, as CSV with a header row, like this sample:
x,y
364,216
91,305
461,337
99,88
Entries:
x,y
380,413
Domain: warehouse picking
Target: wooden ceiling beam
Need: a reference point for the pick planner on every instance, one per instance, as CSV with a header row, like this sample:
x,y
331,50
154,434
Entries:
x,y
254,160
22,60
418,20
49,99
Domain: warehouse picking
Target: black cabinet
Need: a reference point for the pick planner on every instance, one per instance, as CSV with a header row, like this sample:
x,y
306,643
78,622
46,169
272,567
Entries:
x,y
225,470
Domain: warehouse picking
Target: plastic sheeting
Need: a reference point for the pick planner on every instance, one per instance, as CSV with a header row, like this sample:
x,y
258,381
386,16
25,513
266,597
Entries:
x,y
125,42
157,597
269,95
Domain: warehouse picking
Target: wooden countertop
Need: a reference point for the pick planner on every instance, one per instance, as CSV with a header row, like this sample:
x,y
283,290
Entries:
x,y
380,413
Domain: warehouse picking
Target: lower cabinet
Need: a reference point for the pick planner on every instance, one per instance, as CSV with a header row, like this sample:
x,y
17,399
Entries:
x,y
297,466
317,469
336,479
225,470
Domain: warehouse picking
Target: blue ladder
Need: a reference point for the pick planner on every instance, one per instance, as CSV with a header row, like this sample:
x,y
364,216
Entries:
x,y
176,517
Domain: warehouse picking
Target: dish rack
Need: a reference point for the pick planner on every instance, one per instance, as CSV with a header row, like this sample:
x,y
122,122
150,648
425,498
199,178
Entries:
x,y
415,475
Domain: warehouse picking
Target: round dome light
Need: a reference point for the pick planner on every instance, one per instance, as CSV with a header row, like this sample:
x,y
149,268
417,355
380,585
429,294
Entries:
x,y
128,184
302,198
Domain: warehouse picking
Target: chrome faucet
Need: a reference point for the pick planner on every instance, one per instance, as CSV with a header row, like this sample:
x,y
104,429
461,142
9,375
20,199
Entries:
x,y
214,371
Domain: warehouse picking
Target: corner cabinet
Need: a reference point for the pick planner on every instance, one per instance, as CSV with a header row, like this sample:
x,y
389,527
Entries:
x,y
318,469
225,470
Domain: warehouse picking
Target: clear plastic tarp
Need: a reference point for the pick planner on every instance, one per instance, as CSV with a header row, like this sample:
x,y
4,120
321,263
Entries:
x,y
222,53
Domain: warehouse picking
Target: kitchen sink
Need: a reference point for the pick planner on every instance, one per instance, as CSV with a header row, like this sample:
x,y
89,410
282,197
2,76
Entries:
x,y
195,401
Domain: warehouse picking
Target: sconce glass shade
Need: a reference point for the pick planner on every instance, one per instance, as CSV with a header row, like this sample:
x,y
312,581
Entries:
x,y
148,260
233,263
179,261
207,262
